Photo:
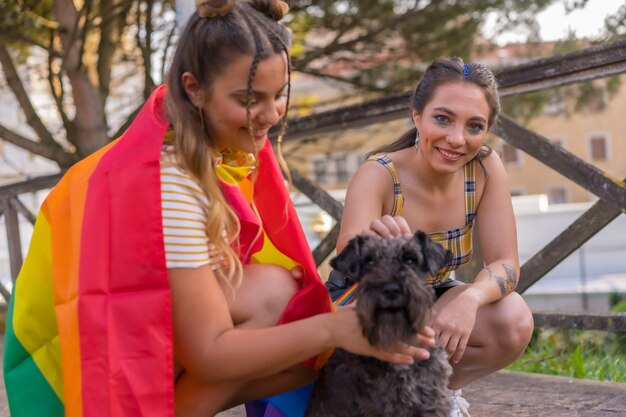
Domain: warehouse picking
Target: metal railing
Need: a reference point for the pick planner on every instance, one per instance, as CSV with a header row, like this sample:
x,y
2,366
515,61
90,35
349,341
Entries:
x,y
11,207
588,64
592,63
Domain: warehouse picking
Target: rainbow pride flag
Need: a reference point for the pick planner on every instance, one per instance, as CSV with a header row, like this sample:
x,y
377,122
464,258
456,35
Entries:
x,y
89,329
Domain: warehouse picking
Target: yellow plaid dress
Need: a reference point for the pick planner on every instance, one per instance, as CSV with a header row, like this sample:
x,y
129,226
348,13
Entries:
x,y
458,241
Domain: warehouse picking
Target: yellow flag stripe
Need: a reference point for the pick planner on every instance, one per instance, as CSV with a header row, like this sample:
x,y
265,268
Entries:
x,y
269,254
34,320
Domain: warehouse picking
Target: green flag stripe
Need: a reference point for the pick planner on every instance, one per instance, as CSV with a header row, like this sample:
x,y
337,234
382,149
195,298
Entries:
x,y
27,389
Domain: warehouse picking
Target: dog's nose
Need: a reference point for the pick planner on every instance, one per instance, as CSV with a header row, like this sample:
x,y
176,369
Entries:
x,y
392,290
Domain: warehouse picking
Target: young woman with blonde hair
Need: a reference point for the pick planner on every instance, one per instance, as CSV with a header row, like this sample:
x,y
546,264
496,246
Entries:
x,y
173,253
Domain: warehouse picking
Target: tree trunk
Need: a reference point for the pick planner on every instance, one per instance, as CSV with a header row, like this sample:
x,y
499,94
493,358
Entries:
x,y
89,125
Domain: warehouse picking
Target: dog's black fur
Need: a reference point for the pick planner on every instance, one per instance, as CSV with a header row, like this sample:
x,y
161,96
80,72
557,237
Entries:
x,y
393,304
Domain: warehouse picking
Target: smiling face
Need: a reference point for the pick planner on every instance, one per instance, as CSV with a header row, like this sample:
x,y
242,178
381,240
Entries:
x,y
225,106
453,126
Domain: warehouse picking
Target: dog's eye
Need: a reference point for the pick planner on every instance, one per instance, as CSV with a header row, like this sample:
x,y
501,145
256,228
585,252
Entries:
x,y
409,258
368,260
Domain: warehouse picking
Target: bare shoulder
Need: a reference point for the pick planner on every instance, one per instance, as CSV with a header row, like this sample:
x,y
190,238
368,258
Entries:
x,y
372,175
493,171
369,196
491,180
493,161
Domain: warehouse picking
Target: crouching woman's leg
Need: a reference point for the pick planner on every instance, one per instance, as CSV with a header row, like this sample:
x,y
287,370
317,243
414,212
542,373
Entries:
x,y
258,302
501,333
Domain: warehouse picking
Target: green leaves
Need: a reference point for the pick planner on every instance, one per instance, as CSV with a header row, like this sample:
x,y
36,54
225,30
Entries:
x,y
24,23
575,353
376,44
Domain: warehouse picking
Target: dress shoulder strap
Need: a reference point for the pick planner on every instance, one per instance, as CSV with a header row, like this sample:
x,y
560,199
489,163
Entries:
x,y
398,198
470,191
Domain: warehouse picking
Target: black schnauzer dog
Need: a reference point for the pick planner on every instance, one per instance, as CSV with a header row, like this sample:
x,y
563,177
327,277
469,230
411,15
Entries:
x,y
393,304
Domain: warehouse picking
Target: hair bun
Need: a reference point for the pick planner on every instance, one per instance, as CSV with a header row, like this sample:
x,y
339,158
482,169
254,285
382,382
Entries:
x,y
213,8
275,9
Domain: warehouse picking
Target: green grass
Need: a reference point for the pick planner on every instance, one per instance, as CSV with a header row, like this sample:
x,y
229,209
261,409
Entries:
x,y
578,353
575,353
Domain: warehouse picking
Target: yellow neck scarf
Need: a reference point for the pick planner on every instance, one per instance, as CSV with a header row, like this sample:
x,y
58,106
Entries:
x,y
235,167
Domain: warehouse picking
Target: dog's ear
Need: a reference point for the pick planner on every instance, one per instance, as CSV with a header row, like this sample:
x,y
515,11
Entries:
x,y
353,259
435,255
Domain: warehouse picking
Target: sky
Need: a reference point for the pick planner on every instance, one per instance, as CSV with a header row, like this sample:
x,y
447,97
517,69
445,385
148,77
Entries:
x,y
555,23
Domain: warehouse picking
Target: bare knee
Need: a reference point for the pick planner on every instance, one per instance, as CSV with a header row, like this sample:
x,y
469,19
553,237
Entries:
x,y
265,292
279,288
513,324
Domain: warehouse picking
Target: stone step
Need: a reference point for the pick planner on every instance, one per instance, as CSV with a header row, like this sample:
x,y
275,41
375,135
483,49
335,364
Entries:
x,y
515,394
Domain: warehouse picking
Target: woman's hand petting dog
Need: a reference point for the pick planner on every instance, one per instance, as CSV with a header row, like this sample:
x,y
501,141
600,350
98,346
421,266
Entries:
x,y
389,227
346,333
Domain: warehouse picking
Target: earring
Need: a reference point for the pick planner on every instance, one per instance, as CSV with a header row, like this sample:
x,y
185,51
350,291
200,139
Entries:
x,y
417,138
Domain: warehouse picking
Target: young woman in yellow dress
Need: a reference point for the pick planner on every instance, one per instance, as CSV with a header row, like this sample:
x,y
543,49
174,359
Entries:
x,y
441,178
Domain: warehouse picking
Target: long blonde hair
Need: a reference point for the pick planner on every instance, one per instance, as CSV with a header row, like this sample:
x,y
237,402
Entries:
x,y
218,32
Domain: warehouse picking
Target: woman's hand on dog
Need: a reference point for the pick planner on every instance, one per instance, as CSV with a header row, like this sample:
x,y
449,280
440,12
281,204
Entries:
x,y
346,333
453,326
389,227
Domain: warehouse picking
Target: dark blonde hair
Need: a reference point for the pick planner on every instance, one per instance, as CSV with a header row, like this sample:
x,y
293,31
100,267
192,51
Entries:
x,y
216,34
443,71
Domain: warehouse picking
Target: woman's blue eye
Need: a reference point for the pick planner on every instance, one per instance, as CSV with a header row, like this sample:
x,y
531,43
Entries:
x,y
475,128
441,119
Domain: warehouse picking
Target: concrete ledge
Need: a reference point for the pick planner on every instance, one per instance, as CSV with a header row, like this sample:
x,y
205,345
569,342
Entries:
x,y
508,394
515,394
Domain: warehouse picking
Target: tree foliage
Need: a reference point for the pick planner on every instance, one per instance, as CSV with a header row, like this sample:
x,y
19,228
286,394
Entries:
x,y
80,54
97,59
381,40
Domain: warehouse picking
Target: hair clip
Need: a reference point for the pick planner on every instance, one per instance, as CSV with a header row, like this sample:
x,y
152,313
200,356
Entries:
x,y
467,69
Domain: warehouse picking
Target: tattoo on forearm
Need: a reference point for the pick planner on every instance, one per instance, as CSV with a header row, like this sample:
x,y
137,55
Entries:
x,y
511,277
499,281
507,284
